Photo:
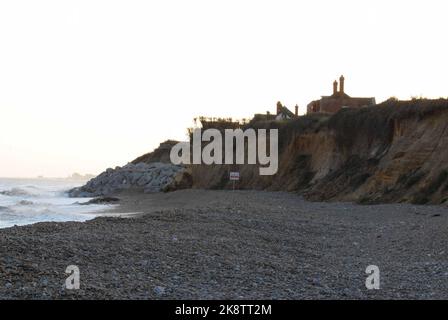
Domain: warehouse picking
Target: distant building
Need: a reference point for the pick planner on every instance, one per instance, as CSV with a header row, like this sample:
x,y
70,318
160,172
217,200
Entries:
x,y
282,113
338,100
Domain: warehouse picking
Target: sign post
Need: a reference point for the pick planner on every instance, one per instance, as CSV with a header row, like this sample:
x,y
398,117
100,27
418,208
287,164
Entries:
x,y
234,176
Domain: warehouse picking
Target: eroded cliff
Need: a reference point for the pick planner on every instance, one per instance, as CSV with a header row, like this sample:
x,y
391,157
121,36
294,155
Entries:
x,y
393,152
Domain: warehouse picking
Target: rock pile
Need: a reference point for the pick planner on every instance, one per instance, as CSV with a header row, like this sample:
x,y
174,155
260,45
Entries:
x,y
152,177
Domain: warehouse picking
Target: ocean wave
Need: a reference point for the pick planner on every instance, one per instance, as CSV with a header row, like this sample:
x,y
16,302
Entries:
x,y
25,203
15,192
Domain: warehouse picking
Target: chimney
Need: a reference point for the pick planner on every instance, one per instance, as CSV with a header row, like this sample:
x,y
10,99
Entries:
x,y
297,111
279,107
341,84
335,87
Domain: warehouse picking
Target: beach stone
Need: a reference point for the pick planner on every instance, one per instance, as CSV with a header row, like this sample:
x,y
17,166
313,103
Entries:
x,y
160,291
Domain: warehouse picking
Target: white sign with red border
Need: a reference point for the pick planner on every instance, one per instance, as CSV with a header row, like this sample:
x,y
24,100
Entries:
x,y
234,176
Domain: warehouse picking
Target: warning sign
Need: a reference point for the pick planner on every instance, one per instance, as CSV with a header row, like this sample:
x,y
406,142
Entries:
x,y
234,176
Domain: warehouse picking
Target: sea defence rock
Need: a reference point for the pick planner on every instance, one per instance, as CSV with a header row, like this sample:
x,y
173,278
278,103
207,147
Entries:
x,y
146,177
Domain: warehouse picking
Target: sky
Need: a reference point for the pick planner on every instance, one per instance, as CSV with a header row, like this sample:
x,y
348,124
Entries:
x,y
87,85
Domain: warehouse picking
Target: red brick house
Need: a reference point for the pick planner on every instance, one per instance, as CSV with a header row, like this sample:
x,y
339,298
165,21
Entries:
x,y
338,100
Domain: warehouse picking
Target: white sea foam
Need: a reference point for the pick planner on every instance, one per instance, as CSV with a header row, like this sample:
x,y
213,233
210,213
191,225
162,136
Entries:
x,y
26,201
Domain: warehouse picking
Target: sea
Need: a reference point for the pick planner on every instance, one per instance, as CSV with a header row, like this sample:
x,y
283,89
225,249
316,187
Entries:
x,y
27,201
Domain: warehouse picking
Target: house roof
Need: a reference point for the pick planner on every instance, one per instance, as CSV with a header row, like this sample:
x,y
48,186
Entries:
x,y
286,112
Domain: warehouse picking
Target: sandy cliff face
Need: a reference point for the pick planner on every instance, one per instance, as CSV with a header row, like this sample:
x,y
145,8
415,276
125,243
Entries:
x,y
415,167
393,152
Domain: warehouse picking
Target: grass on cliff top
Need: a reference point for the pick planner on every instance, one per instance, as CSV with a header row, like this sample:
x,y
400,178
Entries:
x,y
378,121
391,109
289,128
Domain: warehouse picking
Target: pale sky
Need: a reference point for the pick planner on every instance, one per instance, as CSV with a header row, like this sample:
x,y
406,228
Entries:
x,y
86,85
